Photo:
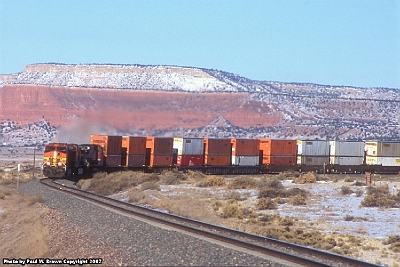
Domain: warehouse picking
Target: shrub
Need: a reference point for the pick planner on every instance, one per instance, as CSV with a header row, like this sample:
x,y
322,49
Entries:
x,y
170,179
234,195
392,239
268,192
215,181
378,197
231,209
135,195
216,205
348,218
359,192
348,179
243,182
271,188
150,185
298,200
267,218
346,190
306,178
196,175
286,221
297,191
266,204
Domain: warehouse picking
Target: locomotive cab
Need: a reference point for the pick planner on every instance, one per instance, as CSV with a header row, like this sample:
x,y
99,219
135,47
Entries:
x,y
60,159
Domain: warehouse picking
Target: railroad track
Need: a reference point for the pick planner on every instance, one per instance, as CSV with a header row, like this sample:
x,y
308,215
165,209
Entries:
x,y
297,254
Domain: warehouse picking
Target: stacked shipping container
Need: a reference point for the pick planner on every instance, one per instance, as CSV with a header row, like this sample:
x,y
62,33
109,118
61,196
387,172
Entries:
x,y
277,152
382,153
112,147
313,152
245,152
134,151
346,153
159,151
217,152
189,151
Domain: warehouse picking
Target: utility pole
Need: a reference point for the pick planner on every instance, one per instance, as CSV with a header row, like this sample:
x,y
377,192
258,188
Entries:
x,y
34,162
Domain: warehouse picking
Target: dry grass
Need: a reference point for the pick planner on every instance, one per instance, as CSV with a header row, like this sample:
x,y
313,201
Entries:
x,y
243,182
24,234
306,178
266,204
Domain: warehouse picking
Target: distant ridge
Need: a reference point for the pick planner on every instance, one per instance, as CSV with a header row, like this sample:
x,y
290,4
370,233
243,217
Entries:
x,y
174,100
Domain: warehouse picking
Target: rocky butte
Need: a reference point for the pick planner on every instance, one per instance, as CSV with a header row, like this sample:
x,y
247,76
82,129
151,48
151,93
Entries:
x,y
77,100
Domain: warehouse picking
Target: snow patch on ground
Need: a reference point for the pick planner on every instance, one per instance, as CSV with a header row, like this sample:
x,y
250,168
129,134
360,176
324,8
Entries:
x,y
329,207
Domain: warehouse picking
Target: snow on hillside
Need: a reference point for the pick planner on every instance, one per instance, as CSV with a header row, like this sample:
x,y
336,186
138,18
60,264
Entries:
x,y
137,77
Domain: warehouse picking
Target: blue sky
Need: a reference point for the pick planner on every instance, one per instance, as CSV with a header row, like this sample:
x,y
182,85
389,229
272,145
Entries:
x,y
336,42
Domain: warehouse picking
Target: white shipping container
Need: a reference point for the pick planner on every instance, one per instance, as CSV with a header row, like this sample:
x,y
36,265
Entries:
x,y
346,149
382,149
384,161
193,146
189,146
313,160
245,160
178,144
313,148
346,160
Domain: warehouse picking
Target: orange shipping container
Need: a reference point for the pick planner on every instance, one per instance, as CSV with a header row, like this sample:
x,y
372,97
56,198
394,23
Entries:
x,y
217,147
113,160
134,145
160,145
278,152
112,145
135,160
215,160
158,160
245,147
279,160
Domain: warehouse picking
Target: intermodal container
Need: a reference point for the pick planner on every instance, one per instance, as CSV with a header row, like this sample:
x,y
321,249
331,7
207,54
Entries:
x,y
277,152
161,160
178,145
190,160
216,160
112,145
245,160
193,146
113,160
313,160
384,161
280,160
217,147
313,148
159,151
135,160
160,145
382,149
189,146
340,160
135,145
245,147
346,149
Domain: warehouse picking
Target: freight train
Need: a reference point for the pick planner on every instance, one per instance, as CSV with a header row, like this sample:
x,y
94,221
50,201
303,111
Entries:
x,y
218,156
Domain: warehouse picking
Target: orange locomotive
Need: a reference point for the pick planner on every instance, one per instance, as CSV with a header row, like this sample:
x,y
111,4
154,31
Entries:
x,y
62,159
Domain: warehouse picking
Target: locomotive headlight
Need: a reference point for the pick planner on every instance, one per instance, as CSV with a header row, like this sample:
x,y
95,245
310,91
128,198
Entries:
x,y
48,163
60,163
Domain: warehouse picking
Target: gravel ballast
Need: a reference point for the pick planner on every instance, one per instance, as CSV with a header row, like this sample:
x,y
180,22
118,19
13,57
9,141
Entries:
x,y
87,230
